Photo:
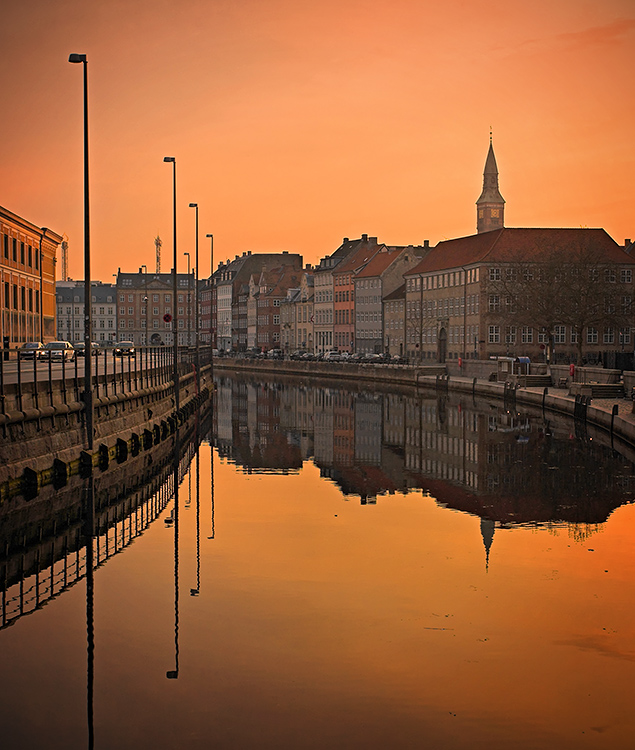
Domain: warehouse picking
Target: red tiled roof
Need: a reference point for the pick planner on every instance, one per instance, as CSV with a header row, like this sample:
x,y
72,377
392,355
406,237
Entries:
x,y
361,256
380,262
511,244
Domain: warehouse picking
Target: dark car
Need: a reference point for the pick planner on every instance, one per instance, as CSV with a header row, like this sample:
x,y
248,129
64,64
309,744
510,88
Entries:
x,y
30,350
80,347
124,349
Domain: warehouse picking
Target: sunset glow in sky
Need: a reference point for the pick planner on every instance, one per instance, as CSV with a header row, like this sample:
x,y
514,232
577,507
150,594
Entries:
x,y
297,124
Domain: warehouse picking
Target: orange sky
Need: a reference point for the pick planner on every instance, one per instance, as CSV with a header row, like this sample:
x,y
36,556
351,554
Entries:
x,y
297,124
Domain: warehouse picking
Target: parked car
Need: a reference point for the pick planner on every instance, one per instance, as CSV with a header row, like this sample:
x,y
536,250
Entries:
x,y
57,351
333,356
30,350
275,354
124,349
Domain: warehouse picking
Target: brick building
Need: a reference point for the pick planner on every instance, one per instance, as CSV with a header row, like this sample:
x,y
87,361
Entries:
x,y
27,280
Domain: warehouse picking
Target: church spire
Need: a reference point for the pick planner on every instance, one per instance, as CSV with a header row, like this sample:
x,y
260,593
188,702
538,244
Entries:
x,y
490,207
488,528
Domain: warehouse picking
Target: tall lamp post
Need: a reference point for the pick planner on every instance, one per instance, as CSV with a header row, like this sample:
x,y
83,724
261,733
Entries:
x,y
211,300
189,326
145,299
88,390
175,348
196,321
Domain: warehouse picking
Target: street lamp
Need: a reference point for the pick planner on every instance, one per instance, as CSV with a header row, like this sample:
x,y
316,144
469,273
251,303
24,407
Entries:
x,y
196,321
145,299
175,348
88,390
189,338
211,299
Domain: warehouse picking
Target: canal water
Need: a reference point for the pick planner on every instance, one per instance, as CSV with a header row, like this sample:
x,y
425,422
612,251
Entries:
x,y
330,567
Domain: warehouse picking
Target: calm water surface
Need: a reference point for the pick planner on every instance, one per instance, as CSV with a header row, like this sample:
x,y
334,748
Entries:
x,y
358,570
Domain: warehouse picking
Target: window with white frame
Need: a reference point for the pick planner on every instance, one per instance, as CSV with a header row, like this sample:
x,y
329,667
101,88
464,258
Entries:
x,y
609,336
559,335
494,274
494,303
591,335
626,275
494,334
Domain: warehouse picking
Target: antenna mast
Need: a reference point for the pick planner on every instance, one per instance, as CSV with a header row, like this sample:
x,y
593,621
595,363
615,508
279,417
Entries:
x,y
65,258
157,244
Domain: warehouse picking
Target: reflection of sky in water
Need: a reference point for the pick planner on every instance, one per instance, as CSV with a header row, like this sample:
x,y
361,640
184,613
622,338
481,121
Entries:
x,y
397,623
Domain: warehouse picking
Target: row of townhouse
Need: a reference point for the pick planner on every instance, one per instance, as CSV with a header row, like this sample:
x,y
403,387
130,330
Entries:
x,y
339,303
233,314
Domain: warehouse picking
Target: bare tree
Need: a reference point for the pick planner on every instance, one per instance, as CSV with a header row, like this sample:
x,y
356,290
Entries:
x,y
573,286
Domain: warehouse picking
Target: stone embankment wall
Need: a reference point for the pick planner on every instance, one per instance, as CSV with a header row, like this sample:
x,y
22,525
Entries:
x,y
37,445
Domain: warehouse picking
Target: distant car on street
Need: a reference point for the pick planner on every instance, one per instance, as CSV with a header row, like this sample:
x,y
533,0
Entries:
x,y
30,350
124,349
80,346
57,351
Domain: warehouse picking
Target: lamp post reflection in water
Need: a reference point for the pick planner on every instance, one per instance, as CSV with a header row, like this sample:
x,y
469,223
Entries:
x,y
196,591
89,532
174,673
211,446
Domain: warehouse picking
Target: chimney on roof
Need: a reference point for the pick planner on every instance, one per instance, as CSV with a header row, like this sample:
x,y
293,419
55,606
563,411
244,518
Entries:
x,y
285,252
372,240
345,240
364,238
426,243
248,252
627,241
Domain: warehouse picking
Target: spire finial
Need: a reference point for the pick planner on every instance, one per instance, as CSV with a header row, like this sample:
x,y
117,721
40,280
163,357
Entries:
x,y
490,135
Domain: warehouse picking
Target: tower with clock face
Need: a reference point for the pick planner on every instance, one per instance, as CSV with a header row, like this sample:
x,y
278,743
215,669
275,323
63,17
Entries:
x,y
490,207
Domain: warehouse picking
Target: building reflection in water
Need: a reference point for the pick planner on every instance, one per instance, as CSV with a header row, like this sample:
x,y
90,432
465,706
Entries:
x,y
469,454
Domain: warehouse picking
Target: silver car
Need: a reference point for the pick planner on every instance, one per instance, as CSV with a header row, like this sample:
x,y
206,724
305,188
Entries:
x,y
58,351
